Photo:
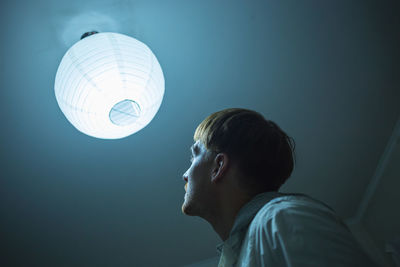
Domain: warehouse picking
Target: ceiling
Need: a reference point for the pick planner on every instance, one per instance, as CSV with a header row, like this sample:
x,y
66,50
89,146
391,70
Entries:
x,y
326,72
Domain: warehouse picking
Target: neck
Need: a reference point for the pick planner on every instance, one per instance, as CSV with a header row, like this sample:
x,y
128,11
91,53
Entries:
x,y
226,214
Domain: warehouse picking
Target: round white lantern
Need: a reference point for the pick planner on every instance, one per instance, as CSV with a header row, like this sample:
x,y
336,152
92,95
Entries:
x,y
109,85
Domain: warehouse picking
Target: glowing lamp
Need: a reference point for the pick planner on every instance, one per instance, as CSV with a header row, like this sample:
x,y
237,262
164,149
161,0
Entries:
x,y
109,85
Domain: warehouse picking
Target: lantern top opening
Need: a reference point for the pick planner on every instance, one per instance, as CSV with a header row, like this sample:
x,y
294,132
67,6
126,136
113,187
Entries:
x,y
86,34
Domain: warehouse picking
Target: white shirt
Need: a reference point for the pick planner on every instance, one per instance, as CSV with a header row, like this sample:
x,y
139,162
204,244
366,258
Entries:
x,y
276,229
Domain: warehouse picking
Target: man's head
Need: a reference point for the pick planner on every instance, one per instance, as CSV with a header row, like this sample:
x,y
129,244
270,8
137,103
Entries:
x,y
258,149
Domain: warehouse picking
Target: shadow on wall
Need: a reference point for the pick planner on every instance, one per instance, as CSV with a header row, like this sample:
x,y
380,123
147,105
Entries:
x,y
376,224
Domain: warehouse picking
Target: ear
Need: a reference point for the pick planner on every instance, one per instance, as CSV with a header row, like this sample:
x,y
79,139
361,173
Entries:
x,y
220,167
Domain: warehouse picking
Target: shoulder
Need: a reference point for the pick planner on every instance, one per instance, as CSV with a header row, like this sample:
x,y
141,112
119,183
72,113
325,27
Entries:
x,y
291,213
292,230
292,205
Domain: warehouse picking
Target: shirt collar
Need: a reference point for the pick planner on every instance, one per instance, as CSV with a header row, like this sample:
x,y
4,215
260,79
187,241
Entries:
x,y
247,213
250,209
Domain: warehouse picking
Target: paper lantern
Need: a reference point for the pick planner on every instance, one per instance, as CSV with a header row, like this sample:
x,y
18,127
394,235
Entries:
x,y
109,85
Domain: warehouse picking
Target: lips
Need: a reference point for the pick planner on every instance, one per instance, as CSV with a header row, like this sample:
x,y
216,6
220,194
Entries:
x,y
186,186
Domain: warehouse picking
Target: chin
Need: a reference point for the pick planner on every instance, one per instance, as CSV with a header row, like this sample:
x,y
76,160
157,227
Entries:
x,y
187,209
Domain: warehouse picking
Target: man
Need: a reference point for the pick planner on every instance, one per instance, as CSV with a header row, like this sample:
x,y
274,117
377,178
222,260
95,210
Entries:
x,y
239,162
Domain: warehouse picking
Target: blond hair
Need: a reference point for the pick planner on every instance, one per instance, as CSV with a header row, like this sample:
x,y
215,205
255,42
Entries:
x,y
262,150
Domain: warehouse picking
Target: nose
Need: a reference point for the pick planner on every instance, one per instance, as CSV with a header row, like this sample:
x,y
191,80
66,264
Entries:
x,y
185,177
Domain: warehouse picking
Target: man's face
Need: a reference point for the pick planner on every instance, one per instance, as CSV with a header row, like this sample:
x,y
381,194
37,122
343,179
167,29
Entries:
x,y
198,182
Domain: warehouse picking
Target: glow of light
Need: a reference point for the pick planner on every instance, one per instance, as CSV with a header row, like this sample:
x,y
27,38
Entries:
x,y
109,85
